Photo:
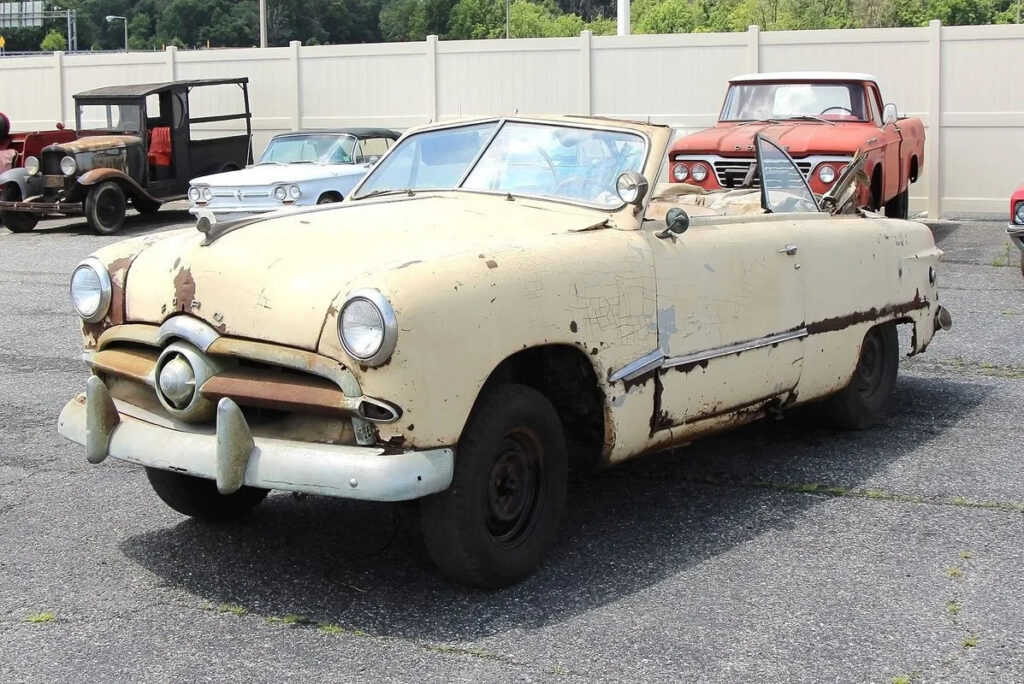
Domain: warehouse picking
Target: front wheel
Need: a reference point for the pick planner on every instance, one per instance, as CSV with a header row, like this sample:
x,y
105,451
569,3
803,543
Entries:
x,y
865,400
899,206
198,497
16,221
494,524
105,207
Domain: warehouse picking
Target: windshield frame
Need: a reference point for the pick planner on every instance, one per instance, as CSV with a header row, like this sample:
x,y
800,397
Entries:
x,y
808,82
309,134
500,122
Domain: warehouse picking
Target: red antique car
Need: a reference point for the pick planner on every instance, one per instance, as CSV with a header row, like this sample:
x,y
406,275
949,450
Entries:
x,y
822,119
16,147
1016,227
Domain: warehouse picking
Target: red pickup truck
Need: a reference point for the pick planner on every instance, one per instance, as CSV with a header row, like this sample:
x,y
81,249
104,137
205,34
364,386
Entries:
x,y
822,119
16,147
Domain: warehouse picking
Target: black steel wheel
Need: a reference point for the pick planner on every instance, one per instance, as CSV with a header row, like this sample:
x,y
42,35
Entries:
x,y
16,221
864,401
105,207
494,524
198,497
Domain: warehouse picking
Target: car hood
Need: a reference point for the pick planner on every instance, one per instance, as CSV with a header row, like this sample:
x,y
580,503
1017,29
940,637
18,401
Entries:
x,y
91,143
270,174
799,138
275,279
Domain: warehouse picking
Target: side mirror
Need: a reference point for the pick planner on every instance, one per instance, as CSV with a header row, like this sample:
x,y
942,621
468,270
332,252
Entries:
x,y
632,188
889,114
677,222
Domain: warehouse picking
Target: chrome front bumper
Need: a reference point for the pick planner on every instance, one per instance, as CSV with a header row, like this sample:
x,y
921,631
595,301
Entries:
x,y
1016,233
233,457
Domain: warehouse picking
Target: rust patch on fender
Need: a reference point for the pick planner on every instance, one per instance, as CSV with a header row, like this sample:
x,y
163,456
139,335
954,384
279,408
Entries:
x,y
184,290
842,322
573,327
659,417
491,263
687,367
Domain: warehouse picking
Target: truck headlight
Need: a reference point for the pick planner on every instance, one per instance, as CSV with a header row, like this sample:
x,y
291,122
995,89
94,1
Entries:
x,y
679,172
1018,212
367,327
31,165
699,172
68,166
826,174
90,290
194,195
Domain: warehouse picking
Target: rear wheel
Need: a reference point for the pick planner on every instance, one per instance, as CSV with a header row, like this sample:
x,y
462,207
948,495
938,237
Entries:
x,y
899,206
494,524
16,221
198,497
865,400
105,207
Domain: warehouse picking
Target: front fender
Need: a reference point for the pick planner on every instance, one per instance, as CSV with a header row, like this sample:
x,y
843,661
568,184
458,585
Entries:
x,y
29,185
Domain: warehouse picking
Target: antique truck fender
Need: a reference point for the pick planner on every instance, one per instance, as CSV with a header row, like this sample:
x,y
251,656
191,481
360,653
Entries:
x,y
135,192
27,185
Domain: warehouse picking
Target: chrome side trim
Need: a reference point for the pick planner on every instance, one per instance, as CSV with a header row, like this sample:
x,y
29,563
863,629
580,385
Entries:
x,y
189,329
637,368
657,358
737,348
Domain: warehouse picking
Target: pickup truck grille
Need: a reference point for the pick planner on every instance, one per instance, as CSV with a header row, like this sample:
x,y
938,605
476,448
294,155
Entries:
x,y
731,173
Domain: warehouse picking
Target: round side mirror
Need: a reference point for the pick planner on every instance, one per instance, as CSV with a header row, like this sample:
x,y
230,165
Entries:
x,y
631,188
677,220
889,114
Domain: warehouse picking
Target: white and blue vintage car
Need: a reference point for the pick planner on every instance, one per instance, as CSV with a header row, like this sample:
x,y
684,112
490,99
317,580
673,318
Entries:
x,y
297,169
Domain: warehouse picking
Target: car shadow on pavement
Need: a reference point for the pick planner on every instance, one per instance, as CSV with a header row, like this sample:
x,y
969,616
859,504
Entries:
x,y
361,565
134,224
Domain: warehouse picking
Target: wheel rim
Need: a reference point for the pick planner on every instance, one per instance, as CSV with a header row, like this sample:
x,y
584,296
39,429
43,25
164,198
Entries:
x,y
515,488
108,208
871,365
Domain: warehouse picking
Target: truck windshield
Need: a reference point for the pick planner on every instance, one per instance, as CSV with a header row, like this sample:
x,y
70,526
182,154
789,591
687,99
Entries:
x,y
777,101
566,163
316,148
124,118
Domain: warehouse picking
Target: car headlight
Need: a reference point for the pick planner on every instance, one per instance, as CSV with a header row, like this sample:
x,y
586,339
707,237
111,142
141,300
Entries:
x,y
1018,212
194,195
679,172
91,290
32,165
68,166
207,194
367,327
280,193
294,192
826,174
699,172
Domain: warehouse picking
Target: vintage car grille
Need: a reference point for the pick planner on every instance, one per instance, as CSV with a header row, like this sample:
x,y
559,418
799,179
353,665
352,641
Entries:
x,y
731,173
49,164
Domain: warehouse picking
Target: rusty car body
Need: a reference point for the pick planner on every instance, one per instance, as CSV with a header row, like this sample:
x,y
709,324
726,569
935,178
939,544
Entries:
x,y
134,144
496,298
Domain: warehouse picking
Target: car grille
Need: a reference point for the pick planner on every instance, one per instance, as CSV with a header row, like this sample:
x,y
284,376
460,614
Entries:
x,y
730,173
50,163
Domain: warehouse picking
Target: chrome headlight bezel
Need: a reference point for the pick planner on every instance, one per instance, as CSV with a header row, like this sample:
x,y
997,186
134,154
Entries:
x,y
1018,212
827,174
206,193
389,324
280,193
32,165
194,194
699,172
294,192
68,165
680,173
106,290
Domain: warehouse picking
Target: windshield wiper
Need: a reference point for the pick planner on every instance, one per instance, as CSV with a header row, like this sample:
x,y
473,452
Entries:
x,y
811,117
759,121
264,163
386,191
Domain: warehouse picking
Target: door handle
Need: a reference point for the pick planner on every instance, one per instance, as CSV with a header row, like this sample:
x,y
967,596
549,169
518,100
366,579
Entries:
x,y
788,249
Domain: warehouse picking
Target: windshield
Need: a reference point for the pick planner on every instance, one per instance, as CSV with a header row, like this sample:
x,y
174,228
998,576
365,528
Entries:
x,y
763,101
317,148
125,118
535,159
783,187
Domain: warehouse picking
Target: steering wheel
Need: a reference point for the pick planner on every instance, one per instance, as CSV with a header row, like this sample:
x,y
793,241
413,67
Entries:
x,y
551,164
583,182
845,109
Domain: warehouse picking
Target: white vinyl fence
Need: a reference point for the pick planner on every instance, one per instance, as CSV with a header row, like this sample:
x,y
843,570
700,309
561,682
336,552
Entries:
x,y
963,81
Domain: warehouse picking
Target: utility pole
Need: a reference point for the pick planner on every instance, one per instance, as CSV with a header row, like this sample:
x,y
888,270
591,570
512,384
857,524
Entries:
x,y
263,23
622,17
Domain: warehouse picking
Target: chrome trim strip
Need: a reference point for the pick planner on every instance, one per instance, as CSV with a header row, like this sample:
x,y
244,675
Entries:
x,y
657,359
189,329
637,368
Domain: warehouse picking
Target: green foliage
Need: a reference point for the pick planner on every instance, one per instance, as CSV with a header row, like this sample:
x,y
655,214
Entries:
x,y
53,41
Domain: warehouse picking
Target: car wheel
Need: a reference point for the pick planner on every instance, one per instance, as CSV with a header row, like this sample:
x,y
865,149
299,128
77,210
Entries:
x,y
329,198
146,207
864,401
16,221
494,524
198,497
105,207
899,206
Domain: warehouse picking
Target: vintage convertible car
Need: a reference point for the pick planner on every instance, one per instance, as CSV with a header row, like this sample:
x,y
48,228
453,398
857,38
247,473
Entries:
x,y
495,301
297,169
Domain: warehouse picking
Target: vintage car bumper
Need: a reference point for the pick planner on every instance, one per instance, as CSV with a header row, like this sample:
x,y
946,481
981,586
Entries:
x,y
63,208
1016,233
232,457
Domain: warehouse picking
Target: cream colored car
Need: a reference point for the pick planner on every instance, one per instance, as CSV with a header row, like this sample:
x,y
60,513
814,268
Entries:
x,y
495,299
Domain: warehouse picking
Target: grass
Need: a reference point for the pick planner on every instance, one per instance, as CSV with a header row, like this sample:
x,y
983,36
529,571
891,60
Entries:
x,y
955,573
40,618
232,608
331,628
873,494
291,620
970,642
953,608
1004,259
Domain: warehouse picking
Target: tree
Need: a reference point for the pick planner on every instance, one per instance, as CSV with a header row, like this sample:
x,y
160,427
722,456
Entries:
x,y
54,41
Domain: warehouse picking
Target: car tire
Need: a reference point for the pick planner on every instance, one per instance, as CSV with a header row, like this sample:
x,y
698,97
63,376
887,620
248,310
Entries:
x,y
198,497
16,221
105,208
899,206
494,524
864,401
329,198
146,207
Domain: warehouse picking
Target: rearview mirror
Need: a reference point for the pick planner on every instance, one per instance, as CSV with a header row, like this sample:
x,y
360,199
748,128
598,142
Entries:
x,y
676,223
889,114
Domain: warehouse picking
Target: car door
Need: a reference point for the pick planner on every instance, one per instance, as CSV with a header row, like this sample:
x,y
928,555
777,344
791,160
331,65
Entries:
x,y
731,305
890,139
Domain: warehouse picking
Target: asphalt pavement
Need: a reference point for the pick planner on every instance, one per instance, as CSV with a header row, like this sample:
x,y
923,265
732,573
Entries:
x,y
784,551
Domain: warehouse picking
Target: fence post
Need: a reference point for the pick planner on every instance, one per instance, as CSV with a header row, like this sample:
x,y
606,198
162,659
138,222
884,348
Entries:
x,y
58,65
585,103
933,154
172,62
296,60
754,48
431,57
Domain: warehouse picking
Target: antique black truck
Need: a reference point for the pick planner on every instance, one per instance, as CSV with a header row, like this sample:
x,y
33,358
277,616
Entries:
x,y
136,145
